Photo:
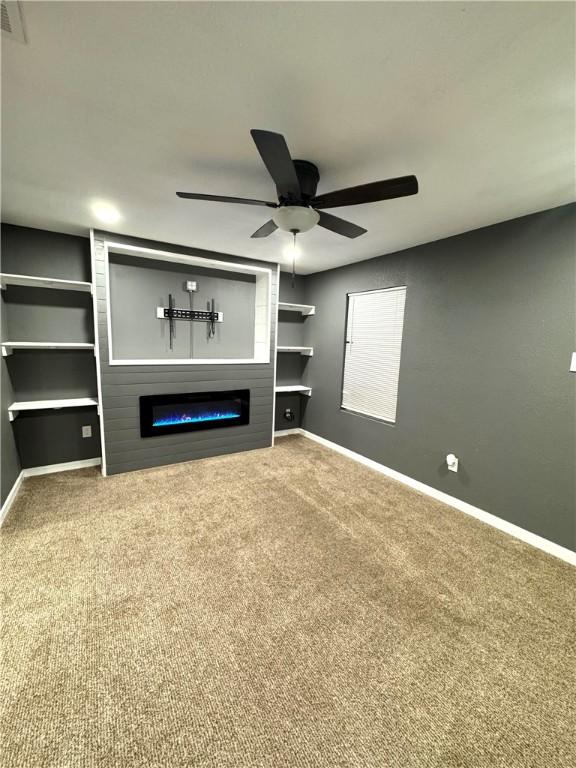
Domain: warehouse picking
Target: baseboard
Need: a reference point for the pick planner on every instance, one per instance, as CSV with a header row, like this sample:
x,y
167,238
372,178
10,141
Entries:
x,y
10,499
486,517
284,432
65,466
46,470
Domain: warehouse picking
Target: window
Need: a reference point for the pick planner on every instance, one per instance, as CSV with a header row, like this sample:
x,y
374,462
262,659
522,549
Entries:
x,y
374,325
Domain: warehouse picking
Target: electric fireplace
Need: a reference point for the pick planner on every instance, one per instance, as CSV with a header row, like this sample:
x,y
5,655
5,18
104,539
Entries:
x,y
171,414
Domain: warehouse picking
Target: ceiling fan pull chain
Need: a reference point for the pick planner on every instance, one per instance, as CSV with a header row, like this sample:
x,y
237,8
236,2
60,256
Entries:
x,y
293,258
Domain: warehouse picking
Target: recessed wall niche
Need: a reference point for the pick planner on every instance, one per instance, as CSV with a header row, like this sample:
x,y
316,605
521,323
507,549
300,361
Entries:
x,y
141,286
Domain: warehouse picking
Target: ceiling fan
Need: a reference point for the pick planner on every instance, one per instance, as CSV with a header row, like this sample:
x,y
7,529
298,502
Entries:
x,y
299,208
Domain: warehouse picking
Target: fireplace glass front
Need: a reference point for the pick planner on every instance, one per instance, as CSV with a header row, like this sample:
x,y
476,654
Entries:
x,y
169,414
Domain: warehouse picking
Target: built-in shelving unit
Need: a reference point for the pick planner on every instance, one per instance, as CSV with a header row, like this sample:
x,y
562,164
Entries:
x,y
9,346
44,282
307,351
303,309
290,371
294,388
39,405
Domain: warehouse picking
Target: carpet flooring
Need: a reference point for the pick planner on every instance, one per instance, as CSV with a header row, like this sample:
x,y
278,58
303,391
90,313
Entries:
x,y
283,608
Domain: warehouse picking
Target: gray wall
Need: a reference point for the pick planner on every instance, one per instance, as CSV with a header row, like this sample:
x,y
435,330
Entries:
x,y
122,386
489,330
138,286
291,368
37,252
34,314
10,465
54,437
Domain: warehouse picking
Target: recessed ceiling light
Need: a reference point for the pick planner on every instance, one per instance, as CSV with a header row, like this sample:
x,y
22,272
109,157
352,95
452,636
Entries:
x,y
106,213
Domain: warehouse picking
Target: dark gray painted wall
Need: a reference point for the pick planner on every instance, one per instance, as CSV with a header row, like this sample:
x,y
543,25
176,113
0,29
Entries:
x,y
53,437
122,386
52,374
28,251
43,314
34,314
489,330
138,286
10,465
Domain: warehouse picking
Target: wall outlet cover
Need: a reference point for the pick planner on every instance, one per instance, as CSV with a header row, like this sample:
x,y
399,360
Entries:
x,y
87,431
452,462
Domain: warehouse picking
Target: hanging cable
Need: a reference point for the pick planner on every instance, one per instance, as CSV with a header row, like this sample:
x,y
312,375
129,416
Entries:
x,y
294,231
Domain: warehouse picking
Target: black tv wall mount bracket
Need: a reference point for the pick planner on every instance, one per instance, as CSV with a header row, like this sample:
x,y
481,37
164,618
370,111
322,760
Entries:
x,y
172,313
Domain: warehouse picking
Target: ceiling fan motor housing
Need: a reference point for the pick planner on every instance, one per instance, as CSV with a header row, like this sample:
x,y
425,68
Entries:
x,y
295,215
308,176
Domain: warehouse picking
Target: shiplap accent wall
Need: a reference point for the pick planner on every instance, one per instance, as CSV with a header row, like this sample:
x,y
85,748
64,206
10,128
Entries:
x,y
121,386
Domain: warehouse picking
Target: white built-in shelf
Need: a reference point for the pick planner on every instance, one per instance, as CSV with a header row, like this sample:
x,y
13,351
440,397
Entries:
x,y
304,309
308,351
294,388
38,405
44,282
9,346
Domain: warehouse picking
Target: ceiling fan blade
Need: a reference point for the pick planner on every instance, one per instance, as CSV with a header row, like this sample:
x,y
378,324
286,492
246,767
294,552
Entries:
x,y
368,193
265,229
276,156
220,199
340,226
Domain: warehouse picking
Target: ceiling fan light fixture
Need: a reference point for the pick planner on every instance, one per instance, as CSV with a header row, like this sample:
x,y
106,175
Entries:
x,y
297,218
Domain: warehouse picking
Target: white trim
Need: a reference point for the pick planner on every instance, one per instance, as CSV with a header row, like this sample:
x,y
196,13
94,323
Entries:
x,y
182,258
486,517
46,470
275,355
9,346
303,309
294,388
293,431
11,498
39,405
260,273
194,361
307,351
65,466
97,350
34,281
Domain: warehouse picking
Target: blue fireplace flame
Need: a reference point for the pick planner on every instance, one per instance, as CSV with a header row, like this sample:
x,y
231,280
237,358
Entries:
x,y
187,418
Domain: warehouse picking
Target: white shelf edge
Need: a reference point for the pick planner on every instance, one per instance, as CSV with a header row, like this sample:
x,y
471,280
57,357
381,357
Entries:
x,y
304,309
39,405
308,351
34,281
9,346
294,388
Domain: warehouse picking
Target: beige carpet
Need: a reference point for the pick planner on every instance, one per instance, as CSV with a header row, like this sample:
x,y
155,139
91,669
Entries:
x,y
285,608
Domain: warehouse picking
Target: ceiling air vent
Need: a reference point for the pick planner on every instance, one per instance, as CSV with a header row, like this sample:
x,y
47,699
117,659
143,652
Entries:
x,y
12,25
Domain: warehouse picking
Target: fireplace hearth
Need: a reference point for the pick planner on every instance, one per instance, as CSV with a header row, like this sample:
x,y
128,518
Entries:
x,y
192,411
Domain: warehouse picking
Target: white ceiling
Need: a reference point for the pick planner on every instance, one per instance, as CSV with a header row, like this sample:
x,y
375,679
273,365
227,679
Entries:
x,y
128,102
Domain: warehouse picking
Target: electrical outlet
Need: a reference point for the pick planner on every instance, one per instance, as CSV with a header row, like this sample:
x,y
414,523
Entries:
x,y
87,431
288,415
452,462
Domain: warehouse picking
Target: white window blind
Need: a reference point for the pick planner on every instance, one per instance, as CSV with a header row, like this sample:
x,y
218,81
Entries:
x,y
372,357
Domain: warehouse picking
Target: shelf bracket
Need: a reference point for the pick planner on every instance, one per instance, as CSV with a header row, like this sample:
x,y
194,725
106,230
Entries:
x,y
12,415
6,351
